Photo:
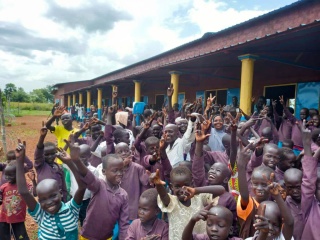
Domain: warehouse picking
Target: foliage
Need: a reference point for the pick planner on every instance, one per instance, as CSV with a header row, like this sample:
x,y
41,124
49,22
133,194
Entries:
x,y
31,106
40,95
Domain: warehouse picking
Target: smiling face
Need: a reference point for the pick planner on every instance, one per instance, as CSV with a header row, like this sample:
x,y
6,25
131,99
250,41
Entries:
x,y
113,171
171,133
259,185
182,125
304,113
271,156
218,123
147,211
156,131
49,154
49,195
218,174
66,120
123,150
177,182
95,131
316,120
219,222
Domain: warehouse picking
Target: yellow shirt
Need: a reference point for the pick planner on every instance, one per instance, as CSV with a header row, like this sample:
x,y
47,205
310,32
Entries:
x,y
61,133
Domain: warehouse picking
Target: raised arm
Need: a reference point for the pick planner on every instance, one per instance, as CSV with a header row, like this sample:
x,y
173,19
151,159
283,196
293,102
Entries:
x,y
21,180
242,162
155,179
57,113
233,144
38,155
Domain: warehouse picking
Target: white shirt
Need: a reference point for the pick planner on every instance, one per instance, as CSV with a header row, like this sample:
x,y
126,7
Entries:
x,y
179,148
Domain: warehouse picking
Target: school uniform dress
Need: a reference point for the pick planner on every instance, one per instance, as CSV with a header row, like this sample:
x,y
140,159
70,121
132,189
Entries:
x,y
296,212
136,230
310,205
45,171
60,226
106,207
179,215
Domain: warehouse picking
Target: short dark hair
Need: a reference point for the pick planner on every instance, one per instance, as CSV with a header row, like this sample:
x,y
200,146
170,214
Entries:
x,y
151,140
283,152
263,169
147,113
106,159
151,195
181,170
49,144
118,133
291,110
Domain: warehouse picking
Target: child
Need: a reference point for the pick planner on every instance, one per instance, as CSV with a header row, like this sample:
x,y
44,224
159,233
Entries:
x,y
273,221
310,194
10,156
45,165
13,211
109,202
185,202
219,224
293,181
148,225
247,205
84,157
55,219
287,160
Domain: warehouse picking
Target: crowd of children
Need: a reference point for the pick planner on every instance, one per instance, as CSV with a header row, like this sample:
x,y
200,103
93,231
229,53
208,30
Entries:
x,y
195,173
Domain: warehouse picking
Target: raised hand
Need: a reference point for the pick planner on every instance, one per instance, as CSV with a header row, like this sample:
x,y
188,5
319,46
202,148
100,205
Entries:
x,y
202,214
21,150
201,136
114,94
206,124
262,223
170,90
274,103
189,192
63,155
281,100
162,144
210,100
154,178
74,147
273,187
43,130
59,111
31,175
244,154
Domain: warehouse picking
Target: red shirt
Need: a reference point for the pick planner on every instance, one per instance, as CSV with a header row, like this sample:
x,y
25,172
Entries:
x,y
13,208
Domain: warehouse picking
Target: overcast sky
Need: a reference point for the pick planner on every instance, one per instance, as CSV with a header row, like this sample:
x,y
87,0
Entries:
x,y
47,42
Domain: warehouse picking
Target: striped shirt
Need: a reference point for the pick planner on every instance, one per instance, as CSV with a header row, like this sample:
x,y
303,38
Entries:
x,y
62,225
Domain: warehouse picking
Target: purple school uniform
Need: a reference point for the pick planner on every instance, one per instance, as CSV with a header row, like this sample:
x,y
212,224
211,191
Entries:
x,y
136,230
215,156
285,128
28,165
45,171
106,207
140,150
94,160
226,199
296,133
261,124
310,205
279,174
163,165
108,130
206,237
134,181
296,212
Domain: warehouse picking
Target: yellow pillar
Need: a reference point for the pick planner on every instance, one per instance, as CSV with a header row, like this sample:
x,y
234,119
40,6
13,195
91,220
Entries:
x,y
69,101
175,82
246,81
74,99
88,100
137,91
99,100
80,98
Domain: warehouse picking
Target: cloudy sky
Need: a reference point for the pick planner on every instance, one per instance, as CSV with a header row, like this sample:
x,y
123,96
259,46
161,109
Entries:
x,y
47,42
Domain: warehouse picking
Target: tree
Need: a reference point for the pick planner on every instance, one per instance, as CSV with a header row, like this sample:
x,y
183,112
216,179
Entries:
x,y
20,96
9,89
37,96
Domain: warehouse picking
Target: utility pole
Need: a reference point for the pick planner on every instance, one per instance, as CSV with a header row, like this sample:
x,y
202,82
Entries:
x,y
2,124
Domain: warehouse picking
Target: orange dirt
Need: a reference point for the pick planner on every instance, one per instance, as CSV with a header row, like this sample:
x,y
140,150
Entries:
x,y
27,129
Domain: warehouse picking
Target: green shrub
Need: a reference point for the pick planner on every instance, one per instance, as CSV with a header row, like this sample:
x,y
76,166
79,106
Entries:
x,y
31,106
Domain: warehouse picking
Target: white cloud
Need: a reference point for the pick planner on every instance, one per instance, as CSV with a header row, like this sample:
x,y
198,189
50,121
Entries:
x,y
38,48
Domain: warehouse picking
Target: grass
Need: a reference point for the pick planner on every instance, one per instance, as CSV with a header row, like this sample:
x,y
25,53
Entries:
x,y
29,113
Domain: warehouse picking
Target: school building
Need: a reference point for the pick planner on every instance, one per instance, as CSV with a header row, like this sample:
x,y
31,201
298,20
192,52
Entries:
x,y
275,54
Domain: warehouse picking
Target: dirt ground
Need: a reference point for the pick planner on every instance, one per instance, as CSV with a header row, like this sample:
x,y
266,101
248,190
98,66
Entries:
x,y
27,129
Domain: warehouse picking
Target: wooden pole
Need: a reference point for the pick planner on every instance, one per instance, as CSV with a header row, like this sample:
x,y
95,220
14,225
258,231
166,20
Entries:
x,y
3,129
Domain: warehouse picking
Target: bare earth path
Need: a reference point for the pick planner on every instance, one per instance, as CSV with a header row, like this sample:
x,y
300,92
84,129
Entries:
x,y
29,133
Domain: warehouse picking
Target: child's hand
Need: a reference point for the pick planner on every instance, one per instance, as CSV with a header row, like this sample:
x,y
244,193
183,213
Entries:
x,y
244,154
281,100
201,136
155,178
21,150
274,103
202,214
189,192
162,144
74,147
206,124
210,100
170,90
59,111
31,175
262,223
63,155
273,187
43,130
152,237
